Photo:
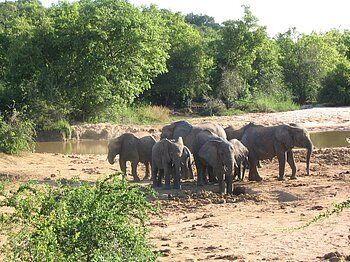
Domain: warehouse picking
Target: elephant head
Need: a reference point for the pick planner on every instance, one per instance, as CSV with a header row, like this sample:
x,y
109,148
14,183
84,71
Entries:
x,y
294,136
176,129
114,148
232,133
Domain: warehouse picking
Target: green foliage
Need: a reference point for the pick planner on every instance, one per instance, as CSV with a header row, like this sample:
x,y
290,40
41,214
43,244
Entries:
x,y
86,60
337,209
62,126
336,86
77,221
16,133
266,104
307,60
247,60
137,114
188,66
81,58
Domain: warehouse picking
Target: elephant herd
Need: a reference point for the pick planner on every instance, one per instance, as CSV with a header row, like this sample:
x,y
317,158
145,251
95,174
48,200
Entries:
x,y
219,154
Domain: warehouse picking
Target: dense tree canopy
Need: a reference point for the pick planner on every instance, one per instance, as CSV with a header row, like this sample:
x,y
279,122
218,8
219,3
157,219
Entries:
x,y
86,59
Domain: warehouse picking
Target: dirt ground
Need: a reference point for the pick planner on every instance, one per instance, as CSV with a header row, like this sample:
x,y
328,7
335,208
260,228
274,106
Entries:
x,y
199,224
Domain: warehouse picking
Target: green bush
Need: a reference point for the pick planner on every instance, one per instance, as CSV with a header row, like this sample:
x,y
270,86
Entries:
x,y
16,133
266,104
336,86
138,114
63,127
78,221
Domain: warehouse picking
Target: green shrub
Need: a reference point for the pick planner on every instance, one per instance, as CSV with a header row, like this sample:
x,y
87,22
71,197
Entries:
x,y
16,133
266,104
63,127
140,114
77,221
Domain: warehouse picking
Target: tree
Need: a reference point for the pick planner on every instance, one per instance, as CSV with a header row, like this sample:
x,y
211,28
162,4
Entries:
x,y
80,60
188,65
306,61
247,60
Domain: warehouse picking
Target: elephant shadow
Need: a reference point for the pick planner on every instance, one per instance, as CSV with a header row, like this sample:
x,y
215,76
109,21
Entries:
x,y
283,196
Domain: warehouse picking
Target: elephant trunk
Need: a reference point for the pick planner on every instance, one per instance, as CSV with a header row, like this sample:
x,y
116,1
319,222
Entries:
x,y
309,148
111,159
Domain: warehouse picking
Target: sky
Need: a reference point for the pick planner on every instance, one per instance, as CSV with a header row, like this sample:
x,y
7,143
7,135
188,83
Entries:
x,y
277,15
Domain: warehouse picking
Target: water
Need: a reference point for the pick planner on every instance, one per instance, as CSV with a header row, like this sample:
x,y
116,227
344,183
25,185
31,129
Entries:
x,y
330,139
320,140
73,147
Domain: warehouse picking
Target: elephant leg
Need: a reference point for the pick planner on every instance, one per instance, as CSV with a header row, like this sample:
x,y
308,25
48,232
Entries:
x,y
154,175
220,176
253,171
200,173
237,172
184,171
281,156
211,175
190,169
176,176
122,164
291,162
167,174
229,184
134,171
147,171
160,177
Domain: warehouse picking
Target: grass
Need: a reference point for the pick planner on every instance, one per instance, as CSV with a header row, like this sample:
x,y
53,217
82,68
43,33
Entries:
x,y
143,115
261,104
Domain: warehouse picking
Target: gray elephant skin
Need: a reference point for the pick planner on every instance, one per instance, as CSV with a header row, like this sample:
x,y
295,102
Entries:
x,y
241,157
188,132
186,164
266,142
213,152
133,149
166,161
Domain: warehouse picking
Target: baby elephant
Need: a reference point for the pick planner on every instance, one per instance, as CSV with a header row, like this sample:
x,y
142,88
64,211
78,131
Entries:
x,y
133,149
186,164
241,157
166,161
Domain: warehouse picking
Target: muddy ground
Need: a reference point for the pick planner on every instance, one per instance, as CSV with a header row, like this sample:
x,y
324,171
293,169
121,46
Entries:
x,y
199,224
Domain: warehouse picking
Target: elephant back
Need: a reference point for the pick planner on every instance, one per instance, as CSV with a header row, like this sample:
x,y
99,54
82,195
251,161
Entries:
x,y
144,147
215,128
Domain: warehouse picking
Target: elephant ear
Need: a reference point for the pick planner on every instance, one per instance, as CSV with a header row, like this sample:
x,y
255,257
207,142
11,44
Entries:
x,y
285,136
209,152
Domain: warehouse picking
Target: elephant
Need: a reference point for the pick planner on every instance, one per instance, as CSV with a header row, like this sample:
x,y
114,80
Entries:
x,y
241,157
232,133
186,164
216,153
188,132
266,142
166,161
133,149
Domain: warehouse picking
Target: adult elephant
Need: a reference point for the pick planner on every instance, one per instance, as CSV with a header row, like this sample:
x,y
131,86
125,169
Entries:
x,y
266,142
188,132
133,149
233,133
166,161
213,152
